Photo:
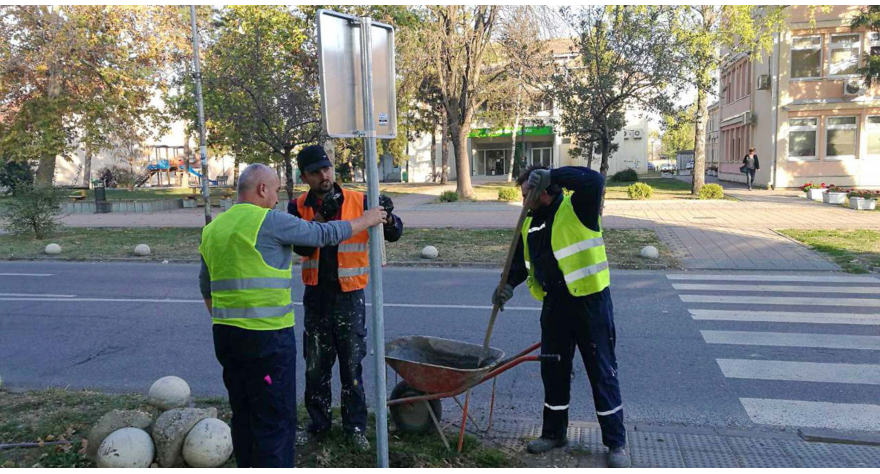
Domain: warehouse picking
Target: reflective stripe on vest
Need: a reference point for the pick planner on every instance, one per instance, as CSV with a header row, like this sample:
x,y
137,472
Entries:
x,y
352,255
245,291
579,252
249,284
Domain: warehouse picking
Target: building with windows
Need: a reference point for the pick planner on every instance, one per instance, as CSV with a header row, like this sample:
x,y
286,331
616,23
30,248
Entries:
x,y
803,106
713,153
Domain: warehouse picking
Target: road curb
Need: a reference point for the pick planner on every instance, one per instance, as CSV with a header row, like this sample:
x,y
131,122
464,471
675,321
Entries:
x,y
828,436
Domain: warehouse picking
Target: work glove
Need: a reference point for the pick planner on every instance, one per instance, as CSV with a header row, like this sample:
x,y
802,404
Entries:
x,y
388,205
330,206
502,295
539,180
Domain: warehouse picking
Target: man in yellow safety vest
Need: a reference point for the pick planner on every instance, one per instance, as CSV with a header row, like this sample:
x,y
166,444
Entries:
x,y
245,280
562,259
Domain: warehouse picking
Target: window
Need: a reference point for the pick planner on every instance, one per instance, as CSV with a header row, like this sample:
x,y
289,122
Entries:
x,y
845,52
873,127
541,156
840,137
874,40
802,139
806,57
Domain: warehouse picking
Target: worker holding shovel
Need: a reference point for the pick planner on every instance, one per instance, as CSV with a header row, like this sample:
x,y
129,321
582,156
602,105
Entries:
x,y
562,258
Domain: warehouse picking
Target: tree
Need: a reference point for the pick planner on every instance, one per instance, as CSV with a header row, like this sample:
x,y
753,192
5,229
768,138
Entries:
x,y
626,58
260,80
460,40
678,131
703,32
869,18
71,74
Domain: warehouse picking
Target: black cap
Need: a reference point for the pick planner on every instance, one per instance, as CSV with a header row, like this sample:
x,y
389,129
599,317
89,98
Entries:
x,y
312,158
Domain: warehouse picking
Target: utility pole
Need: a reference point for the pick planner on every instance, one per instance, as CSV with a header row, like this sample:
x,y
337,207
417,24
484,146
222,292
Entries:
x,y
203,151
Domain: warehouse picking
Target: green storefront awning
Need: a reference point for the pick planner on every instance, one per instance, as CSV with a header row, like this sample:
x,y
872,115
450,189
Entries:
x,y
505,132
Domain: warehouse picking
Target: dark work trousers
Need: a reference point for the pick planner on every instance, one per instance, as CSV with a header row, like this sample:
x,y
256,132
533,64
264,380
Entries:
x,y
259,371
586,323
335,327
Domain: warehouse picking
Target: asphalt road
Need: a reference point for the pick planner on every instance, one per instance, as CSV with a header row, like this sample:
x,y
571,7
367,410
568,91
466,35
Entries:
x,y
119,327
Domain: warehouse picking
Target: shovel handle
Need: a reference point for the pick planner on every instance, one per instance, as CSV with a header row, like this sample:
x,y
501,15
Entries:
x,y
517,237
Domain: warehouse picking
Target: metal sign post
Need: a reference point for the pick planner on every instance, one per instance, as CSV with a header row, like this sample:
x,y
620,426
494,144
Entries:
x,y
348,109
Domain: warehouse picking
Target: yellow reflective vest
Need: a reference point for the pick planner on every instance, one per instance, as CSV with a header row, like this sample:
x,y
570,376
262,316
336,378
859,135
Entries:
x,y
579,250
245,291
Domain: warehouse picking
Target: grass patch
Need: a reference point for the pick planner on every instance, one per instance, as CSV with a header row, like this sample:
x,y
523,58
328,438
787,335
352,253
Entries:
x,y
57,414
99,243
489,246
664,188
856,251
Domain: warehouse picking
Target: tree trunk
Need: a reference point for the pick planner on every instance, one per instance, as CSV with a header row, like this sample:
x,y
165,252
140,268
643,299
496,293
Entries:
x,y
444,145
699,144
434,154
462,162
606,155
235,165
516,119
87,167
46,169
288,172
590,156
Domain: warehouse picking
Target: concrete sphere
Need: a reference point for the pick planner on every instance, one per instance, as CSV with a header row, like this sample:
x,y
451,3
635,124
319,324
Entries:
x,y
142,250
128,447
169,392
430,252
53,249
208,444
650,252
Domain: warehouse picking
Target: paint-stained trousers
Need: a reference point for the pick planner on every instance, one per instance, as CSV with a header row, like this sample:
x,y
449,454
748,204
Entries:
x,y
259,371
335,328
586,323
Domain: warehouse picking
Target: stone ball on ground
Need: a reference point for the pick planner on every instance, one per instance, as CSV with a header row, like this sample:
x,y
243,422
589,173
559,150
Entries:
x,y
112,421
142,250
208,444
650,252
127,447
430,252
170,430
169,392
53,249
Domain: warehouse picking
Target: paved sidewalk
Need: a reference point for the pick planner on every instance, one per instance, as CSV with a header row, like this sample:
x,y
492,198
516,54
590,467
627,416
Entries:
x,y
671,447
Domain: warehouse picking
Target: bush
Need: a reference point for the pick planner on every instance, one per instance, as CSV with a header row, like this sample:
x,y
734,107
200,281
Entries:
x,y
509,194
626,176
711,191
448,196
639,191
13,174
33,210
122,175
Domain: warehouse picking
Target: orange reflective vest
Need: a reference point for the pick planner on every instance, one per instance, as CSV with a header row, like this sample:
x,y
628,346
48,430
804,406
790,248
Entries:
x,y
353,255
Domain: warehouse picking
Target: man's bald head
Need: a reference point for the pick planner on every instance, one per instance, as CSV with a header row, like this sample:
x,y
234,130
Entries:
x,y
258,185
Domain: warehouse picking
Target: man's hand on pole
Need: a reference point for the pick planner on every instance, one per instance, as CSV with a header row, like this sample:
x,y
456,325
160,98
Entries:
x,y
502,295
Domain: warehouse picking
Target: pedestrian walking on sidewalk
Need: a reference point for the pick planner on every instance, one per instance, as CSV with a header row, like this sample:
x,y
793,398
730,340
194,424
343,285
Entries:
x,y
750,166
335,312
562,259
245,279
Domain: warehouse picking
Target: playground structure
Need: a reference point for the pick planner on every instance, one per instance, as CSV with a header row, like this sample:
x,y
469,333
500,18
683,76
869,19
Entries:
x,y
178,168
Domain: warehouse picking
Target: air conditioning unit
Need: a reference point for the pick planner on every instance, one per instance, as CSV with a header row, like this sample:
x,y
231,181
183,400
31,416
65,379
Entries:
x,y
637,134
853,87
763,82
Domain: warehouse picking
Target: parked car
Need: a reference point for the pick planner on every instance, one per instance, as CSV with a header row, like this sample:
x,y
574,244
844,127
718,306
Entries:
x,y
667,167
690,165
651,166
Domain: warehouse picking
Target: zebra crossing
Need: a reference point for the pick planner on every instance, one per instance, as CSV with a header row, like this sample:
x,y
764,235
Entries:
x,y
809,345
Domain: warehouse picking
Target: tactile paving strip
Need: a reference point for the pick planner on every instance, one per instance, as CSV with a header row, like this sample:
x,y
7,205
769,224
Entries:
x,y
649,457
696,458
765,460
861,456
700,442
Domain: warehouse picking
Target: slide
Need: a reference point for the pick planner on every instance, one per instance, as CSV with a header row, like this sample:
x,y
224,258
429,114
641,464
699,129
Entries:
x,y
198,175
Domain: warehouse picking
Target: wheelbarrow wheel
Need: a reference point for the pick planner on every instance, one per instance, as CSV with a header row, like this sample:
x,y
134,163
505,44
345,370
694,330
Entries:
x,y
413,417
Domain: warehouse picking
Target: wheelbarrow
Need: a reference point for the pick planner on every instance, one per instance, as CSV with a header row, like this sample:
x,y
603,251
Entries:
x,y
433,368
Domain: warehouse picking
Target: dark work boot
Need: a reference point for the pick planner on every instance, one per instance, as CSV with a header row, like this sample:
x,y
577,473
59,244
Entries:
x,y
618,457
542,445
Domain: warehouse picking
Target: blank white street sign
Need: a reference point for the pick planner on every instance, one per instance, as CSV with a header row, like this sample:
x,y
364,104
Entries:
x,y
339,66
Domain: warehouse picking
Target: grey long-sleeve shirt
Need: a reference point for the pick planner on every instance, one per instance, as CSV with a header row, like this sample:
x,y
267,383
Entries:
x,y
279,233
